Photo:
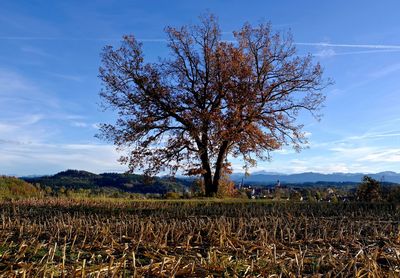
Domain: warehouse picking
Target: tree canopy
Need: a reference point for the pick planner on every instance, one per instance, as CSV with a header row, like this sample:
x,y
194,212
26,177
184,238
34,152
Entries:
x,y
208,99
369,190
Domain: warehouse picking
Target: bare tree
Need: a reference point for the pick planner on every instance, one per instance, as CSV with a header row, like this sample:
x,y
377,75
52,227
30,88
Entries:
x,y
208,99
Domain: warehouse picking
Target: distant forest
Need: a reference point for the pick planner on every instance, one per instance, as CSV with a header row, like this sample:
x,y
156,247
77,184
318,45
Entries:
x,y
75,179
83,184
134,183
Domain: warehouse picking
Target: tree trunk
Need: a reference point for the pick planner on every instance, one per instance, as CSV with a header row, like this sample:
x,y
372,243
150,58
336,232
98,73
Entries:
x,y
211,190
219,165
208,182
207,175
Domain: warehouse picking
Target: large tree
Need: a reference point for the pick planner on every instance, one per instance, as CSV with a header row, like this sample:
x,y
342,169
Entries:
x,y
209,99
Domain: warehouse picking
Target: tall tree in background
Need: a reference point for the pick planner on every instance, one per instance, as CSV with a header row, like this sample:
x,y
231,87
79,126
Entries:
x,y
208,99
369,190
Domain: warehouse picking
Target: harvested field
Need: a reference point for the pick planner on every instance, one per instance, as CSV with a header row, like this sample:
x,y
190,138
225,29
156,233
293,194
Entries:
x,y
60,237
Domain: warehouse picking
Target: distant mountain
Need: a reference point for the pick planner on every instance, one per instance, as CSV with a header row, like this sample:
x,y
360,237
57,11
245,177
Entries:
x,y
126,182
310,177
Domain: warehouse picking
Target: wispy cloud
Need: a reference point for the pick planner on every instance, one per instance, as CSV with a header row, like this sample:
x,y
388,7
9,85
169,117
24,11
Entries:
x,y
11,82
37,158
388,155
300,165
351,143
35,51
326,49
329,159
368,46
330,49
23,129
69,77
163,40
374,135
39,38
96,125
370,154
10,142
329,52
16,90
386,70
79,124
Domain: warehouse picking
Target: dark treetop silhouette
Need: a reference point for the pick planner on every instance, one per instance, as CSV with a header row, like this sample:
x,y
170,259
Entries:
x,y
208,99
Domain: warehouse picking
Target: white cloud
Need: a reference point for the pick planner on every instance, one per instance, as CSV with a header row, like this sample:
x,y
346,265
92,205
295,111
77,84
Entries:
x,y
323,166
69,77
307,134
387,155
324,53
368,46
79,124
26,128
96,126
327,49
373,154
366,153
31,119
85,124
374,135
4,128
33,158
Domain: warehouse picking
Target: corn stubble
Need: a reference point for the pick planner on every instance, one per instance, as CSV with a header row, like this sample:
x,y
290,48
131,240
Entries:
x,y
87,238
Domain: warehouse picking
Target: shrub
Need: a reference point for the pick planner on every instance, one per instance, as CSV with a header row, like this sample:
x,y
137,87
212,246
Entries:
x,y
198,188
11,187
172,195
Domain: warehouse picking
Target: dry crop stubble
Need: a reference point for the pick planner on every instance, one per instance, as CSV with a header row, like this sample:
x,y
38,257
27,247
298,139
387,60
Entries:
x,y
89,238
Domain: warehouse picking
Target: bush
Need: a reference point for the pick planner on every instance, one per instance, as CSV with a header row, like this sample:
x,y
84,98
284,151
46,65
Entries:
x,y
226,187
198,189
295,196
172,195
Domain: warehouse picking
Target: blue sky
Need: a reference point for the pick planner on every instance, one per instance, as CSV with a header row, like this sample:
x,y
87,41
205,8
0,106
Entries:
x,y
49,59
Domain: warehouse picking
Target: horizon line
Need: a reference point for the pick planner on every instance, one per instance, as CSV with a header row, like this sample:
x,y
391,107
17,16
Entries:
x,y
260,172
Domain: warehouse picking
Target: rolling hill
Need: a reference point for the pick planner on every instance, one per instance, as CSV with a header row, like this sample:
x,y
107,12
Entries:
x,y
11,187
75,179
